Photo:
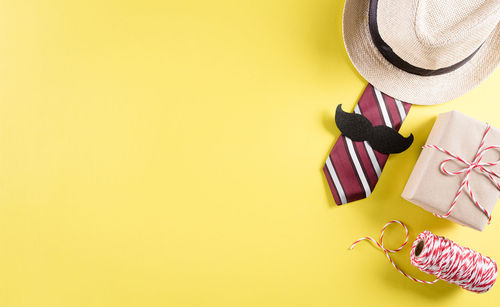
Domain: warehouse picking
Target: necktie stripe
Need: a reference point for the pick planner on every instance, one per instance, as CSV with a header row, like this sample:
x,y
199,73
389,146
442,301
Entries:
x,y
357,165
345,170
401,109
366,164
397,110
382,158
383,108
369,151
377,118
392,109
357,186
407,106
335,180
369,107
373,159
333,189
357,109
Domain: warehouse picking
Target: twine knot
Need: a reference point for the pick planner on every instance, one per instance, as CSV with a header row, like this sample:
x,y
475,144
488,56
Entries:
x,y
475,164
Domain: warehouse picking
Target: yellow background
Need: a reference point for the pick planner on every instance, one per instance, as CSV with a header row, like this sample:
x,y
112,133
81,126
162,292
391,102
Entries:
x,y
169,153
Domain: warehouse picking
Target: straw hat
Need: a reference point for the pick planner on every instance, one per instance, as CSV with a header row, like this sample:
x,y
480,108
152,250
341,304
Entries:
x,y
423,51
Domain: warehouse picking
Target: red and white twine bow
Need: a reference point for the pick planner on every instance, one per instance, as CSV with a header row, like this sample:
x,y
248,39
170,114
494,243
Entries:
x,y
387,251
476,164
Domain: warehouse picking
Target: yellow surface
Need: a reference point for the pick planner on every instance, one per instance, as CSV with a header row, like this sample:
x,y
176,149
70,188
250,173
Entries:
x,y
169,153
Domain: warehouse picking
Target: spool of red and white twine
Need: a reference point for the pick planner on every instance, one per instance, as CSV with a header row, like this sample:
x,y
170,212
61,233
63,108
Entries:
x,y
444,259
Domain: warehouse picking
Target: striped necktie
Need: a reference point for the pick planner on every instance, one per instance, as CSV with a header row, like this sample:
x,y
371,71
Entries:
x,y
353,168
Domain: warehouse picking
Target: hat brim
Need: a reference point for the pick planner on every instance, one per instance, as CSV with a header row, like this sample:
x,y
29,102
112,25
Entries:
x,y
415,89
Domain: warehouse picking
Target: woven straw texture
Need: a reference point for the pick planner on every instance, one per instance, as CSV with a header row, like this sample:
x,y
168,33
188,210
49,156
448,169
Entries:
x,y
427,34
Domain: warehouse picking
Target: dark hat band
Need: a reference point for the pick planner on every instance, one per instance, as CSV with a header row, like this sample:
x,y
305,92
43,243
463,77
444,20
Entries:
x,y
397,61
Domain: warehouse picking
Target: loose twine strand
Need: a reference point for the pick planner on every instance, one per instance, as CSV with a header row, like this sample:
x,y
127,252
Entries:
x,y
387,251
475,164
444,259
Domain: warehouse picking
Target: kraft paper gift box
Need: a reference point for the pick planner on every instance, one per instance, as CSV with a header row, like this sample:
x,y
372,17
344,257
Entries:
x,y
434,191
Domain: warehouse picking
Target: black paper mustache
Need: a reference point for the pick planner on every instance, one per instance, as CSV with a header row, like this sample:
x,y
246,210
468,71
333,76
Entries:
x,y
381,138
